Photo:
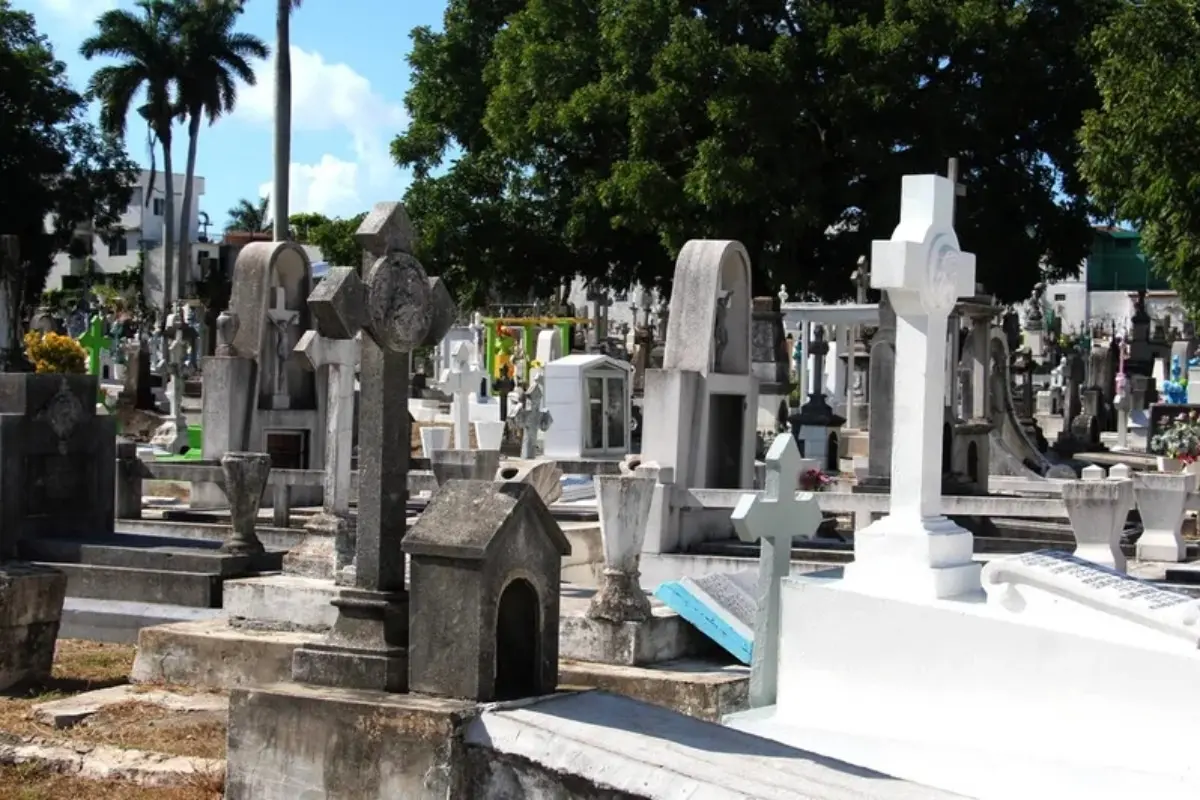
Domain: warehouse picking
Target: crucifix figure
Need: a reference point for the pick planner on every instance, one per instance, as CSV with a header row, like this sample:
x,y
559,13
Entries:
x,y
720,333
283,318
462,380
531,417
774,518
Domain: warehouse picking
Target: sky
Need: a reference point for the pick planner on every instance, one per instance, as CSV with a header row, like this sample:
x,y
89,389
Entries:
x,y
349,76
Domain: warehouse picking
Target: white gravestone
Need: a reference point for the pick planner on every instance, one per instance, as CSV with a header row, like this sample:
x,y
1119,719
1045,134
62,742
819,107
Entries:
x,y
531,418
914,551
774,518
282,318
340,356
462,380
1035,583
172,435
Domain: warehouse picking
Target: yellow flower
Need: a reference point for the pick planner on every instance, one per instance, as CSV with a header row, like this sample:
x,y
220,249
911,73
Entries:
x,y
55,353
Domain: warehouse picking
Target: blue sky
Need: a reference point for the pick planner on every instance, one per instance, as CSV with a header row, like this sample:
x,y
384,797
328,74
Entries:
x,y
349,76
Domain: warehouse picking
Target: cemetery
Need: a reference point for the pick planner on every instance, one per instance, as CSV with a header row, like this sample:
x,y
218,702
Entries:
x,y
914,545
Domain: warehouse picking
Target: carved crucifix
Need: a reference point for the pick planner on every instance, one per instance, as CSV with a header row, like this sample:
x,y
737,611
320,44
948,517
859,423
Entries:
x,y
720,334
282,318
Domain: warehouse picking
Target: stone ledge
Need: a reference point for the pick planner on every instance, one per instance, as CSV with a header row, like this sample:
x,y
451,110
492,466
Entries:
x,y
702,689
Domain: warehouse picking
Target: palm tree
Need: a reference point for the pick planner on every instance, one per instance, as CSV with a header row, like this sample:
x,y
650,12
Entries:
x,y
249,217
283,113
213,56
144,41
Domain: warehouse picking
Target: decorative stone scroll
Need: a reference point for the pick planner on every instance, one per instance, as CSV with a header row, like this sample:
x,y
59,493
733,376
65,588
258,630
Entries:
x,y
1100,588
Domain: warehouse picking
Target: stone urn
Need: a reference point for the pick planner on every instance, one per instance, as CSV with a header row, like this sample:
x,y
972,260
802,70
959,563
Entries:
x,y
245,481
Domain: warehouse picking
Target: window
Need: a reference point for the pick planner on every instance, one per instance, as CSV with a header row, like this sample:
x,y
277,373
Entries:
x,y
606,424
160,205
1058,298
118,246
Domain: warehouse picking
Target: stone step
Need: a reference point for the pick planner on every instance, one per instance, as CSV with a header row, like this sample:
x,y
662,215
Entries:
x,y
133,551
193,589
281,602
119,621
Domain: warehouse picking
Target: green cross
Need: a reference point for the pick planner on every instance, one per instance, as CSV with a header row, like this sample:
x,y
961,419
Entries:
x,y
94,341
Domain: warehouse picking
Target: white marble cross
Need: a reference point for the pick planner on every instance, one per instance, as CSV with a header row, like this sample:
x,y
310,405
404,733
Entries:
x,y
283,318
914,551
341,357
775,517
462,380
532,418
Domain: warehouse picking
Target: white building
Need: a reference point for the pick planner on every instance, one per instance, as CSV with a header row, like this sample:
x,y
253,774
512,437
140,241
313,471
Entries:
x,y
143,225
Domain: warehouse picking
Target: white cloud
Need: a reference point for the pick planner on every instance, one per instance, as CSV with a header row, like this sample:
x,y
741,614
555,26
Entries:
x,y
78,14
332,98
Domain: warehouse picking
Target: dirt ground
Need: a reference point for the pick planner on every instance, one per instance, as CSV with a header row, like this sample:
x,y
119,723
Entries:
x,y
85,666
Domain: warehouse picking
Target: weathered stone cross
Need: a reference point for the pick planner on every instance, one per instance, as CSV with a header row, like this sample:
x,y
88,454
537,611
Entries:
x,y
960,190
333,345
532,418
399,308
462,380
774,518
94,341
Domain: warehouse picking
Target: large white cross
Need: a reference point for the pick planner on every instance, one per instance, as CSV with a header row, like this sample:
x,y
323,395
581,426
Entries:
x,y
914,551
532,418
283,318
775,518
341,357
462,380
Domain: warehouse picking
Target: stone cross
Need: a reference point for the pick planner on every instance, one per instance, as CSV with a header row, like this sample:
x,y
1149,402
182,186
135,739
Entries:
x,y
774,518
399,308
283,318
914,550
862,280
462,380
94,341
960,190
818,348
334,345
531,417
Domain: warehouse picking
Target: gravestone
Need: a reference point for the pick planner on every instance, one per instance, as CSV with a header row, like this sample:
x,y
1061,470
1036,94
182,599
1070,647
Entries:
x,y
338,305
882,377
367,648
172,435
486,565
721,605
700,409
914,549
461,380
95,343
774,519
532,418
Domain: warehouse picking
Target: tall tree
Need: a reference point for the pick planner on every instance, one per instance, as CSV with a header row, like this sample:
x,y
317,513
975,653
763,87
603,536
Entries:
x,y
213,57
250,216
283,114
53,163
1139,148
598,137
144,43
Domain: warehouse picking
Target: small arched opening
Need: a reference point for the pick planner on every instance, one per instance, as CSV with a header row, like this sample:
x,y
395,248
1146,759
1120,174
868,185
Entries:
x,y
518,642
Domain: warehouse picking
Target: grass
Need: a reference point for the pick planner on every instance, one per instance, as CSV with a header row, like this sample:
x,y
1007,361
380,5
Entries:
x,y
86,666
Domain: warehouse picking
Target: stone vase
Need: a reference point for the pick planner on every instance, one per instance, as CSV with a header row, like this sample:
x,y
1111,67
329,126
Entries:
x,y
245,481
624,505
489,435
434,438
31,605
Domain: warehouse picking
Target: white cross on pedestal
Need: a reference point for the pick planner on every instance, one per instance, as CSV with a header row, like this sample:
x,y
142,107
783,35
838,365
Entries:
x,y
775,517
283,318
532,418
461,380
914,551
341,357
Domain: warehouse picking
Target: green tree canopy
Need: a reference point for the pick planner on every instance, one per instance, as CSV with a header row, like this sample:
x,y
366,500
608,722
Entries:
x,y
52,160
335,238
1140,153
250,216
597,137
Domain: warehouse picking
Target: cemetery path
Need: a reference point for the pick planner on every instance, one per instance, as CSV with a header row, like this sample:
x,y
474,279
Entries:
x,y
41,762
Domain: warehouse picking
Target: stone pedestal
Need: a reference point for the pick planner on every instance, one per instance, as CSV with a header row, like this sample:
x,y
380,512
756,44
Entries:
x,y
365,649
31,604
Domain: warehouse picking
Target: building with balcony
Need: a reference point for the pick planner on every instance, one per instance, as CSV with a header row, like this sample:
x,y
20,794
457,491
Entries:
x,y
143,227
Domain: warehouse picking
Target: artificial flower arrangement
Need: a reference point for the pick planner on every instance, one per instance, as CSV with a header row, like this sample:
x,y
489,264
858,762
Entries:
x,y
1179,439
814,480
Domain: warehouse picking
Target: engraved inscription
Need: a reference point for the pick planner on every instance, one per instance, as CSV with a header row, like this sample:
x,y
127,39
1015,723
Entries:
x,y
1104,580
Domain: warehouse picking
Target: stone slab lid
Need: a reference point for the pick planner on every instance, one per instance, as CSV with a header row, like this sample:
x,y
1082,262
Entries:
x,y
465,518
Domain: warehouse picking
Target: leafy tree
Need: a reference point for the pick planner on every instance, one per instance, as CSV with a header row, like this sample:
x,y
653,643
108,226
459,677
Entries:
x,y
302,224
144,43
596,138
336,239
53,163
1139,148
250,217
213,57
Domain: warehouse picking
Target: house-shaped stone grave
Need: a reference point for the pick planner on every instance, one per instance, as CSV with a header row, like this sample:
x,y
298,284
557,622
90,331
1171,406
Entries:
x,y
486,563
589,399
